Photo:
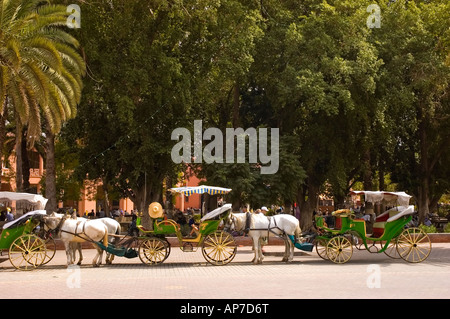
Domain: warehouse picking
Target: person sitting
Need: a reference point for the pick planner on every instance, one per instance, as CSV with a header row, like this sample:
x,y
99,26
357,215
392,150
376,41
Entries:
x,y
194,228
9,215
366,217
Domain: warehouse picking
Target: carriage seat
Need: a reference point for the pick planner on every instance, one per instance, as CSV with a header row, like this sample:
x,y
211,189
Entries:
x,y
389,216
142,228
160,222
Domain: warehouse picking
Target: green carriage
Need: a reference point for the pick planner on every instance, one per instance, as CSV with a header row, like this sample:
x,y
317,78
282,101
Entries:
x,y
218,246
27,246
153,247
390,233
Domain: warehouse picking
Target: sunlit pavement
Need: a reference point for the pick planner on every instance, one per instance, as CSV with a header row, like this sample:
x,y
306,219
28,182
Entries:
x,y
187,275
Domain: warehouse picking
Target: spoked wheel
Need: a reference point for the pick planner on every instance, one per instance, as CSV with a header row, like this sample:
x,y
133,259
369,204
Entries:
x,y
154,251
321,248
27,252
339,249
391,250
219,248
413,245
50,246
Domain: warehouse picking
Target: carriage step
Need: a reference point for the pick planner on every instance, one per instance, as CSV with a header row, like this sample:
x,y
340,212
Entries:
x,y
302,246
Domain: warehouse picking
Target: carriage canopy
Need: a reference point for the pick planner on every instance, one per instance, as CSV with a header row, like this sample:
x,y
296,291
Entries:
x,y
37,201
393,198
22,219
216,212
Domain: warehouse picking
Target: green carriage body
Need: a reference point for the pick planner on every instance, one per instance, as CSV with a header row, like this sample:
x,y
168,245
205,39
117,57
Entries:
x,y
357,227
391,232
27,249
166,227
10,234
218,246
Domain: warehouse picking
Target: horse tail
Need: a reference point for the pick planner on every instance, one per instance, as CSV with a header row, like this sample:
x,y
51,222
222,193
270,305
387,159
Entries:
x,y
118,231
298,232
105,238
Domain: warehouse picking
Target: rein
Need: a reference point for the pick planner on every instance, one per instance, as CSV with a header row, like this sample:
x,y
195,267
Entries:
x,y
58,229
268,229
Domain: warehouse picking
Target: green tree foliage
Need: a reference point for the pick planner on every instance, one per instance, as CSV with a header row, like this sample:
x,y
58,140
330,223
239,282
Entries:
x,y
352,103
153,66
40,76
414,91
40,71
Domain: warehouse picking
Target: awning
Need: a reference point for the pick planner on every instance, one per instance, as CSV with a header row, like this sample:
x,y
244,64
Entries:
x,y
211,190
38,201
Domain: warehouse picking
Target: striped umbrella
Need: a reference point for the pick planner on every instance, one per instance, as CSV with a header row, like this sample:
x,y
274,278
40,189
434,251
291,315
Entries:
x,y
211,190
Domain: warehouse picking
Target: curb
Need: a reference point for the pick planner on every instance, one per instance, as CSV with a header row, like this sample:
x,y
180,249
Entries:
x,y
439,237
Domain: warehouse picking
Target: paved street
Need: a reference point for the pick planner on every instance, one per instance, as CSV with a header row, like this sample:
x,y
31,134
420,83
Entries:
x,y
187,276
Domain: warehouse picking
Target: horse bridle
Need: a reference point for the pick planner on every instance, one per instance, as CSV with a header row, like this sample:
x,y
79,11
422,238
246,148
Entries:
x,y
230,222
57,229
268,229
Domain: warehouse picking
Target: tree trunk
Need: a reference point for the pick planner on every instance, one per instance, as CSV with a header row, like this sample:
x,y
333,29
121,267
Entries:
x,y
106,197
307,199
50,173
424,185
236,105
142,200
367,179
18,148
3,131
25,164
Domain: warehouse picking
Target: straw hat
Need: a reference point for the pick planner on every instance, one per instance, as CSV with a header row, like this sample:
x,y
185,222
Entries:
x,y
155,210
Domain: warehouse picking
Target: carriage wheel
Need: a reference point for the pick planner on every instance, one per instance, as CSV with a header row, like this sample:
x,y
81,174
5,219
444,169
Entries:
x,y
219,248
27,252
321,248
413,245
391,250
50,249
339,249
154,251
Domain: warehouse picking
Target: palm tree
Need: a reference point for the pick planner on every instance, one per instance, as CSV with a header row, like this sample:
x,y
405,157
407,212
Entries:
x,y
40,68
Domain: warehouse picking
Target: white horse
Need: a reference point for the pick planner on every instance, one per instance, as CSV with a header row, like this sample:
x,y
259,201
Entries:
x,y
260,225
113,228
78,230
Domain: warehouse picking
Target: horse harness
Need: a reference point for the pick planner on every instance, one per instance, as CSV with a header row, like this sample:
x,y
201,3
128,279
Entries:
x,y
269,229
58,230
